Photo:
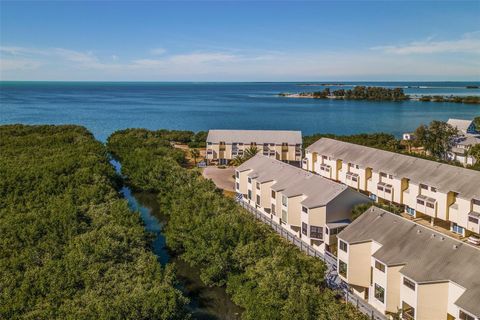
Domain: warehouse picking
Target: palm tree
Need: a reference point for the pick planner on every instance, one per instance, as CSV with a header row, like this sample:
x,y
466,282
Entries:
x,y
250,152
194,153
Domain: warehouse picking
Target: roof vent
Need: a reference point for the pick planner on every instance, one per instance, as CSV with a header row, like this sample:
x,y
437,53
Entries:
x,y
455,246
433,235
442,238
419,231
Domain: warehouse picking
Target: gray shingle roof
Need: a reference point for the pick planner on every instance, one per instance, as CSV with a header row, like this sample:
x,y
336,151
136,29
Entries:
x,y
460,124
444,177
428,256
258,136
293,181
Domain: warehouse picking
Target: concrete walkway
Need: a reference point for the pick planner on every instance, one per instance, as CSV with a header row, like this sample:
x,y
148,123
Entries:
x,y
223,178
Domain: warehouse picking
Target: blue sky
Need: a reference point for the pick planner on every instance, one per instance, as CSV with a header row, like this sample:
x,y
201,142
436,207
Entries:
x,y
240,40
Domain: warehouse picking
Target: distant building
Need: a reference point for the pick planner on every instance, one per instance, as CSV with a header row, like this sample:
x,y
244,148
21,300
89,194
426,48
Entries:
x,y
396,264
447,196
468,136
461,147
306,205
225,145
408,136
463,126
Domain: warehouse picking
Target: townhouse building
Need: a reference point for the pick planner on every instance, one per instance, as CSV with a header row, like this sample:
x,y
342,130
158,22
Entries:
x,y
446,195
308,206
225,145
396,264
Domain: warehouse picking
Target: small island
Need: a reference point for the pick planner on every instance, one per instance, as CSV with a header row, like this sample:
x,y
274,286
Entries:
x,y
379,94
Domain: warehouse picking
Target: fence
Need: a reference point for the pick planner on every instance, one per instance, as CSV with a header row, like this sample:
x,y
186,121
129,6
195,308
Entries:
x,y
331,277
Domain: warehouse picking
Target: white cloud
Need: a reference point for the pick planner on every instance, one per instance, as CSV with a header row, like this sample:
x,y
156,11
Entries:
x,y
17,63
469,43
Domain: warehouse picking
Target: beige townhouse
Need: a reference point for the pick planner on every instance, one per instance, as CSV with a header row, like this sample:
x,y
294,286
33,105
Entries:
x,y
310,207
398,265
446,195
225,145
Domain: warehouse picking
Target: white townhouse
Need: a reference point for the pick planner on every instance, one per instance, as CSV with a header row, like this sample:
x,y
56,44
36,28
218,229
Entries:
x,y
308,206
397,264
468,136
448,196
225,145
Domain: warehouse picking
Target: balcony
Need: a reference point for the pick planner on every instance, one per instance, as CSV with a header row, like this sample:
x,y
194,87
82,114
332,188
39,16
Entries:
x,y
474,222
426,205
352,179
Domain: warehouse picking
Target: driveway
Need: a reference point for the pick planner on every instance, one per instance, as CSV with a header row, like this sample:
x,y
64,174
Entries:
x,y
223,178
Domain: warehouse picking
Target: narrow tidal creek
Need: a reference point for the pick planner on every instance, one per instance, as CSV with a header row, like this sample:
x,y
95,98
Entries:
x,y
206,303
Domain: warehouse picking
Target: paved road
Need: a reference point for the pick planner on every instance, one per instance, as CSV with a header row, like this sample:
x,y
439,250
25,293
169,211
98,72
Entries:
x,y
223,178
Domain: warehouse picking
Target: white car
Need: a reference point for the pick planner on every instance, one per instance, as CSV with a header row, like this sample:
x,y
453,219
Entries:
x,y
474,240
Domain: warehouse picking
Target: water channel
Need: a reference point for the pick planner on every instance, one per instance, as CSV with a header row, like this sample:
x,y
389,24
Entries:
x,y
206,303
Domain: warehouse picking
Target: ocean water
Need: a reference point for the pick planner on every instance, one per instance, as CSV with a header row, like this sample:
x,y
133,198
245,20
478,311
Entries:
x,y
104,107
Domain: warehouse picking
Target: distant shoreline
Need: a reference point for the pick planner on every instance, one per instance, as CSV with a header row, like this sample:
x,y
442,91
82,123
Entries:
x,y
379,94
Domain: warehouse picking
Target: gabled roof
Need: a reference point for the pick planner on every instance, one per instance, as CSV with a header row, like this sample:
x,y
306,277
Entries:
x,y
460,124
292,181
444,177
427,256
258,136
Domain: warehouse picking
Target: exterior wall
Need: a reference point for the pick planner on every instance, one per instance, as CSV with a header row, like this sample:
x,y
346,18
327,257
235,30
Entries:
x,y
379,278
358,263
432,301
409,296
294,210
454,292
242,181
393,288
266,194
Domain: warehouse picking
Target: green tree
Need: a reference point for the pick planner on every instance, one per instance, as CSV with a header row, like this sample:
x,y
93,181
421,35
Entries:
x,y
194,153
476,122
436,138
248,153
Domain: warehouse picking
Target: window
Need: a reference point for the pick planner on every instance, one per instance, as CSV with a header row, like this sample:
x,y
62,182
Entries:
x,y
390,176
249,194
316,232
464,316
379,293
284,201
473,220
237,174
388,190
408,283
343,246
238,185
408,312
424,186
304,228
457,229
258,185
354,178
249,180
273,194
273,208
258,199
380,188
324,157
421,202
304,209
342,268
284,215
433,189
379,266
383,174
430,205
476,202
